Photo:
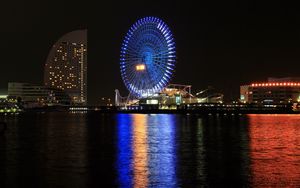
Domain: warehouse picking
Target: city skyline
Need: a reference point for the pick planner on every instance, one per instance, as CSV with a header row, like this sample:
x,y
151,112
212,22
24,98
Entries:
x,y
222,45
149,93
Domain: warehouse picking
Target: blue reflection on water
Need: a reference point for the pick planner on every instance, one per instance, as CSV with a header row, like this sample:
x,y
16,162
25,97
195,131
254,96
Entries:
x,y
124,150
162,150
158,165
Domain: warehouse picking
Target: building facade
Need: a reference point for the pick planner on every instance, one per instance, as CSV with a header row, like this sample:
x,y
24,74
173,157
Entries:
x,y
276,90
31,95
66,66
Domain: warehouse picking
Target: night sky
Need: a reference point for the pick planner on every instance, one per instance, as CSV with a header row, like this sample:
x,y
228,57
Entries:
x,y
220,44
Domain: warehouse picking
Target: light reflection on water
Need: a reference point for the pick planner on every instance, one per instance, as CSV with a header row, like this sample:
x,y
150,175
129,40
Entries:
x,y
146,150
275,150
140,150
176,151
124,150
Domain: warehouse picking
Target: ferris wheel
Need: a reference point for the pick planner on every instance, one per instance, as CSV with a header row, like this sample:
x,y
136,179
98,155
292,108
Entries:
x,y
148,57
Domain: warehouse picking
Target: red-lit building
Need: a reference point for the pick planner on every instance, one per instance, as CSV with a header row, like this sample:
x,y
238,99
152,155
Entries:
x,y
275,90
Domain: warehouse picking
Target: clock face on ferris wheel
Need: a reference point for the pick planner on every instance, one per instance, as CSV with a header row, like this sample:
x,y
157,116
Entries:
x,y
148,57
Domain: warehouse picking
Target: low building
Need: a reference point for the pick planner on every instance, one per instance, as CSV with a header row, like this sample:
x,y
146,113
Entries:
x,y
31,95
174,96
209,95
7,105
275,90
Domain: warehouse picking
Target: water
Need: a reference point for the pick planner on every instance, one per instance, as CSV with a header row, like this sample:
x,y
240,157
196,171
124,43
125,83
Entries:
x,y
140,150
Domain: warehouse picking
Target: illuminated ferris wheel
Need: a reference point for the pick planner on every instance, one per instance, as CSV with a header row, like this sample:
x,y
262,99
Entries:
x,y
148,56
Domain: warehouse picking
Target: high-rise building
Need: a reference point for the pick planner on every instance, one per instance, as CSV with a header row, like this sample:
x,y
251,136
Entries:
x,y
66,66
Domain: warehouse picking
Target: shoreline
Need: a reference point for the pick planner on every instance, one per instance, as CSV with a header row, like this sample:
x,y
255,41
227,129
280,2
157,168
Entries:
x,y
205,109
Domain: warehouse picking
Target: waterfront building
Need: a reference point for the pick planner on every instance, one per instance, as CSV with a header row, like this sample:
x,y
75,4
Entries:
x,y
3,97
275,90
209,95
8,105
31,95
173,97
66,66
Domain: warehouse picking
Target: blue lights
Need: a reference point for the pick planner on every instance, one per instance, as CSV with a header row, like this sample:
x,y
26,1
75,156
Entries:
x,y
148,44
123,163
162,155
146,146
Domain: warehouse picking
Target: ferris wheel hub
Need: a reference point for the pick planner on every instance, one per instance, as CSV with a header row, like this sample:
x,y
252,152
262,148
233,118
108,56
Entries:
x,y
140,67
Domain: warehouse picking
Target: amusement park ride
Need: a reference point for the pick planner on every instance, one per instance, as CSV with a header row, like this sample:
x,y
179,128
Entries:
x,y
147,63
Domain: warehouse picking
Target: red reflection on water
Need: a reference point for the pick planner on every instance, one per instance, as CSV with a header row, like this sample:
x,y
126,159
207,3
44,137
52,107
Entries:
x,y
275,150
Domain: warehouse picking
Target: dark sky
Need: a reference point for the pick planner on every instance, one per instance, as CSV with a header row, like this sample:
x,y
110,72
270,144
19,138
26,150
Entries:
x,y
221,44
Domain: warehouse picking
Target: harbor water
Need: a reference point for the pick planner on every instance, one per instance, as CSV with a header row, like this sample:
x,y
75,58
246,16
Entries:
x,y
62,149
